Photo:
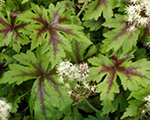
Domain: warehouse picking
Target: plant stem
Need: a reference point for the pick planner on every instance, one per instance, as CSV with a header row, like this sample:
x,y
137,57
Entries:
x,y
82,9
91,106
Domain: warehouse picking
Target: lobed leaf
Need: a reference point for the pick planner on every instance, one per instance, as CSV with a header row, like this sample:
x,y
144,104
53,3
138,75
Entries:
x,y
119,36
97,7
77,53
47,95
134,104
54,27
10,31
133,75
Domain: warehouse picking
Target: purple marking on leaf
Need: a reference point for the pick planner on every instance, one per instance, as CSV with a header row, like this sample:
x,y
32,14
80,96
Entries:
x,y
124,30
68,5
7,28
130,71
112,73
42,76
13,16
52,29
118,62
112,69
77,50
45,25
61,20
101,2
12,27
40,94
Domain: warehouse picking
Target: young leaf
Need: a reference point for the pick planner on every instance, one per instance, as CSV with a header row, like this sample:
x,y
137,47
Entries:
x,y
120,36
133,75
47,96
54,27
11,31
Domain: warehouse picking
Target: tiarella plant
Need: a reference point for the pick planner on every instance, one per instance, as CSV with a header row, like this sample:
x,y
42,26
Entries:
x,y
74,60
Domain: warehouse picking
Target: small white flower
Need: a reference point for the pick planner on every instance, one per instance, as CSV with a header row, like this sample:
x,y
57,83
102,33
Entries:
x,y
138,12
61,80
86,85
67,85
77,76
71,77
70,92
143,21
93,89
130,9
147,98
131,28
77,86
143,111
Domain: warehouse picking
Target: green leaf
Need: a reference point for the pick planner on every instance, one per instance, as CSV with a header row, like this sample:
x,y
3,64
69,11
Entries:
x,y
47,96
97,7
54,27
119,37
77,54
120,101
47,102
133,75
140,53
133,109
94,25
5,89
14,94
11,32
73,114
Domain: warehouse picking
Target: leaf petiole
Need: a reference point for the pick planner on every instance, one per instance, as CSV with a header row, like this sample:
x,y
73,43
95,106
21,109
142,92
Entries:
x,y
91,106
82,9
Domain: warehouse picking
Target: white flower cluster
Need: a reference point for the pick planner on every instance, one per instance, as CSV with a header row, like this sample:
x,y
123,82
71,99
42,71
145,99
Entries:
x,y
138,13
147,99
146,107
72,72
74,76
4,109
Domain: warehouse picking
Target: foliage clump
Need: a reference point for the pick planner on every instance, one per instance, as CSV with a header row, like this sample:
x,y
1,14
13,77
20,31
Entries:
x,y
75,60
